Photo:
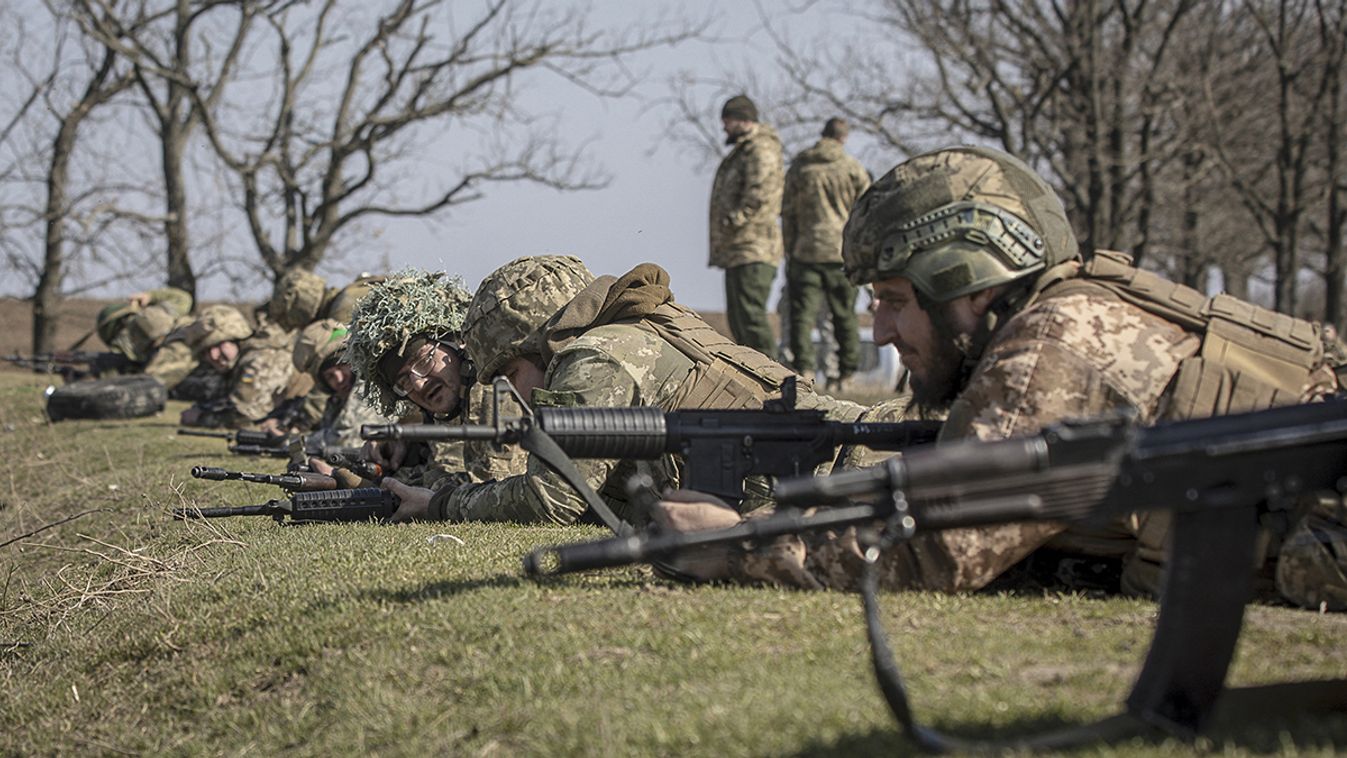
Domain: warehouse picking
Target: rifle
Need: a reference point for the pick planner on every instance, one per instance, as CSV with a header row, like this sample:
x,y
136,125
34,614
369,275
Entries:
x,y
1222,477
293,481
361,504
245,442
74,365
720,446
355,463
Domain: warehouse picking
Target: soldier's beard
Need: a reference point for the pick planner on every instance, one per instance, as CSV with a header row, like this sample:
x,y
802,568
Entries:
x,y
949,364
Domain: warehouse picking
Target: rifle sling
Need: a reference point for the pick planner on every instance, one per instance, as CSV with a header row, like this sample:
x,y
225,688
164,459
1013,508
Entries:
x,y
1179,689
537,442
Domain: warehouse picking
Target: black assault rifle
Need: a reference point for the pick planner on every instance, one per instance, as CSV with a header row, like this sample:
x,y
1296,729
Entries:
x,y
360,504
291,481
74,365
1223,478
246,442
720,447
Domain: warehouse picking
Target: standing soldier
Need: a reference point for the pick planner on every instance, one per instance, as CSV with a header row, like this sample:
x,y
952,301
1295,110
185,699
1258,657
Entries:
x,y
1001,320
745,237
821,186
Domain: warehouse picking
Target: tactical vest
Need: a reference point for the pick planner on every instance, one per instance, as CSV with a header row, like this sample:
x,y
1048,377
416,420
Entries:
x,y
725,374
1251,358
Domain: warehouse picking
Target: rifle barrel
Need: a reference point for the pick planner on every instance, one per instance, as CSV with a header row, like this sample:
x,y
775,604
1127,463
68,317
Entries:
x,y
265,509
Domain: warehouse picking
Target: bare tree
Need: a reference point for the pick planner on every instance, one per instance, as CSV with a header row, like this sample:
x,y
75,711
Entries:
x,y
1288,49
171,47
353,102
79,79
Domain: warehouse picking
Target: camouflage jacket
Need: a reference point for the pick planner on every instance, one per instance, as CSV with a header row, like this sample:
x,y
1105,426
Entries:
x,y
1049,362
173,361
746,201
257,382
821,186
616,365
339,425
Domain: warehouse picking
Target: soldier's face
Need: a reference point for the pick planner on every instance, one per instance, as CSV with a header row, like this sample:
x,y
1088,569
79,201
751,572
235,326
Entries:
x,y
734,128
339,377
933,358
433,378
222,357
525,375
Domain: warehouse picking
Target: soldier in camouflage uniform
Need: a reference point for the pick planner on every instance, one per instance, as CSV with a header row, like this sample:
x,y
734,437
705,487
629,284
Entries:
x,y
745,237
566,339
319,353
405,346
1001,321
821,186
299,299
258,366
137,327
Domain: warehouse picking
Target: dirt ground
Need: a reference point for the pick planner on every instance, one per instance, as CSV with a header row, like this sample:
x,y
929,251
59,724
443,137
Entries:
x,y
77,318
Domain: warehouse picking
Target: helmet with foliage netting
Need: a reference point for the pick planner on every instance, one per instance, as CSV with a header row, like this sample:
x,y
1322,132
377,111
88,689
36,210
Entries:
x,y
956,221
406,305
513,301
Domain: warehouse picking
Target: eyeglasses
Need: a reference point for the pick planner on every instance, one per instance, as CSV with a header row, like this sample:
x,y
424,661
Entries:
x,y
419,369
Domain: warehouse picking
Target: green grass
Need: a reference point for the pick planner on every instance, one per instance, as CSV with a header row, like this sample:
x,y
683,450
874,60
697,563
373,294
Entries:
x,y
139,634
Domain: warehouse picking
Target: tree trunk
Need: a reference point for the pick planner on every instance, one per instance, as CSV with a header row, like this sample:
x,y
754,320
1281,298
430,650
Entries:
x,y
179,267
47,296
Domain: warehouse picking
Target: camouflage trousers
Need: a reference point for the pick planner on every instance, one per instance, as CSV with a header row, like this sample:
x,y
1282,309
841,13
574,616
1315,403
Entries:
x,y
747,289
811,288
1312,560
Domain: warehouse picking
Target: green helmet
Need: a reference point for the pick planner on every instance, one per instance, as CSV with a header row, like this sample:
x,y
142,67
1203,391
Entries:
x,y
343,303
956,221
317,343
406,305
216,324
297,299
513,301
111,319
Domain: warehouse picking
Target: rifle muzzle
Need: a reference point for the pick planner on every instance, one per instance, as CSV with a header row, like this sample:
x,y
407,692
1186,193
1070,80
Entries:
x,y
210,472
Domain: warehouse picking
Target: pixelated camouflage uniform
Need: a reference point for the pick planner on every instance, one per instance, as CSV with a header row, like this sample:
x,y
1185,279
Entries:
x,y
137,331
622,342
821,186
401,307
745,235
319,345
174,360
259,376
1082,343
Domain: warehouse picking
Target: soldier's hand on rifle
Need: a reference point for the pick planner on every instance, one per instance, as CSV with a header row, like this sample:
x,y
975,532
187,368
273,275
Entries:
x,y
389,453
273,427
320,466
688,511
414,502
